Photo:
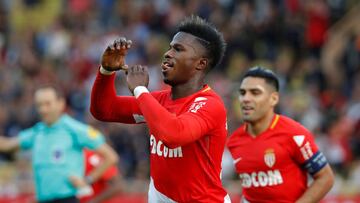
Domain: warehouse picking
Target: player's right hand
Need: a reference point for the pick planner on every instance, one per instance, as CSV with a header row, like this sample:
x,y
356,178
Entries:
x,y
113,58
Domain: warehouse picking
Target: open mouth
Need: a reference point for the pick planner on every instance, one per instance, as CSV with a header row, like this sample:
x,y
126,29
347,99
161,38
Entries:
x,y
247,109
166,65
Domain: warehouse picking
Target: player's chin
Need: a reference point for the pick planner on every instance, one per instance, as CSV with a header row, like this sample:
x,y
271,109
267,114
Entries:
x,y
247,118
168,81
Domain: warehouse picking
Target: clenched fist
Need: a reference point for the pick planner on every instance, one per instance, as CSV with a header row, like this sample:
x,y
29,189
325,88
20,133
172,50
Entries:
x,y
113,58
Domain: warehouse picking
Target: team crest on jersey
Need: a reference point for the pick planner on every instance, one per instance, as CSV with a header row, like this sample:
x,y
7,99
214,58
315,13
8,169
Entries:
x,y
57,155
269,157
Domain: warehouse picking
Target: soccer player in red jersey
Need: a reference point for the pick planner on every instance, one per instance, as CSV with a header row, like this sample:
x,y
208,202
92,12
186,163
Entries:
x,y
187,123
272,153
107,186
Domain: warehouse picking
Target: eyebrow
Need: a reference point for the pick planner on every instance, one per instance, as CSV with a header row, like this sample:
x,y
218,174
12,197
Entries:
x,y
252,89
182,45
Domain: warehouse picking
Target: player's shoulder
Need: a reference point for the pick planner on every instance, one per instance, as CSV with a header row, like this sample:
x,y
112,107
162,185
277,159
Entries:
x,y
207,91
291,126
207,94
235,137
161,93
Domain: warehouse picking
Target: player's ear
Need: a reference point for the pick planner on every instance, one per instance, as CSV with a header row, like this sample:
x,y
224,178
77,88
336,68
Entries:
x,y
62,104
202,64
274,99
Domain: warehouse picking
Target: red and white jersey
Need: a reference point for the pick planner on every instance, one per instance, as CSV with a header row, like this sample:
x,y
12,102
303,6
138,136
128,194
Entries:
x,y
187,137
273,166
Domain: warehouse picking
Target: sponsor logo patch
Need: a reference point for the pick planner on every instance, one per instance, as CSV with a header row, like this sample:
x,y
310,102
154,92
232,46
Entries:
x,y
58,155
299,140
93,133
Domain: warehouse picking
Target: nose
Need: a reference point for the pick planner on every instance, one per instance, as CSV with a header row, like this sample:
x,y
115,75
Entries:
x,y
244,98
167,54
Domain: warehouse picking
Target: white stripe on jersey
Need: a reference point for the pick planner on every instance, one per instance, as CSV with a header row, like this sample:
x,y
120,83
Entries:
x,y
154,196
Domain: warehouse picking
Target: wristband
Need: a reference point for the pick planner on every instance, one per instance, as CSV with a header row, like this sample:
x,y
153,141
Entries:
x,y
105,72
139,90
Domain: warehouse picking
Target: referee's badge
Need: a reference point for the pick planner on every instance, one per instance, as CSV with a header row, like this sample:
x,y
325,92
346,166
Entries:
x,y
93,133
58,155
269,157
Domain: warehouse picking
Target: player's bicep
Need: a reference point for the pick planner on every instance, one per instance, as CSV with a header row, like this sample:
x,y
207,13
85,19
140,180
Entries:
x,y
127,110
324,172
315,163
207,112
124,109
202,117
307,154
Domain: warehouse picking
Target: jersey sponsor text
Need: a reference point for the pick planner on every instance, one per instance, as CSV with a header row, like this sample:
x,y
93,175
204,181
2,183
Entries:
x,y
158,148
261,179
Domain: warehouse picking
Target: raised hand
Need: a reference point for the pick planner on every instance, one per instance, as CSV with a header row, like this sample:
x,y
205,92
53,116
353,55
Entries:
x,y
113,58
137,76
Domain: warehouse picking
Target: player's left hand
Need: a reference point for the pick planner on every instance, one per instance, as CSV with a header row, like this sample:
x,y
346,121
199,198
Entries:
x,y
137,75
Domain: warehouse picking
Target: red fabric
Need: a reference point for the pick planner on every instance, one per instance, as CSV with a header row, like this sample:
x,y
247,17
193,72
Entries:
x,y
141,198
106,106
186,142
274,153
92,160
316,28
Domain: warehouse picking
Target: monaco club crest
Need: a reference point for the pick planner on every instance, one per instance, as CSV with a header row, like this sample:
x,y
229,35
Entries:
x,y
269,157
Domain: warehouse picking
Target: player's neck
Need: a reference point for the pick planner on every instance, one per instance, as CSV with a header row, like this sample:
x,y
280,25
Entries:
x,y
260,126
186,89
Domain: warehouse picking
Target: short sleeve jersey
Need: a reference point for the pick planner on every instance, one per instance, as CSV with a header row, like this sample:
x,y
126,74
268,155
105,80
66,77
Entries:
x,y
274,165
57,153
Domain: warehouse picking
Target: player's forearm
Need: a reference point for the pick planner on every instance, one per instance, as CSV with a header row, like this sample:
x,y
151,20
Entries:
x,y
105,105
321,185
102,96
110,158
8,144
172,130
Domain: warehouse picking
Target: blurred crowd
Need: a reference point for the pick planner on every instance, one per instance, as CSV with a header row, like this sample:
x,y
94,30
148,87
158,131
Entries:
x,y
313,45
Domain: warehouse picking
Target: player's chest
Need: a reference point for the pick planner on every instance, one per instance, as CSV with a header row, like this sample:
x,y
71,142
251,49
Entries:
x,y
176,108
261,154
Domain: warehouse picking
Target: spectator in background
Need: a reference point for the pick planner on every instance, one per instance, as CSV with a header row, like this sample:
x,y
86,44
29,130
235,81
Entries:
x,y
57,144
65,38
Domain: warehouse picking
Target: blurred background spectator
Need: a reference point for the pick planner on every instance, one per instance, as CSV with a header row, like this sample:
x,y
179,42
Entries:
x,y
314,45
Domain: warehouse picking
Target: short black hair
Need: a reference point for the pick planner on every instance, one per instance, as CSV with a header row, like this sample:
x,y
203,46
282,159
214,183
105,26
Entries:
x,y
207,35
267,74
